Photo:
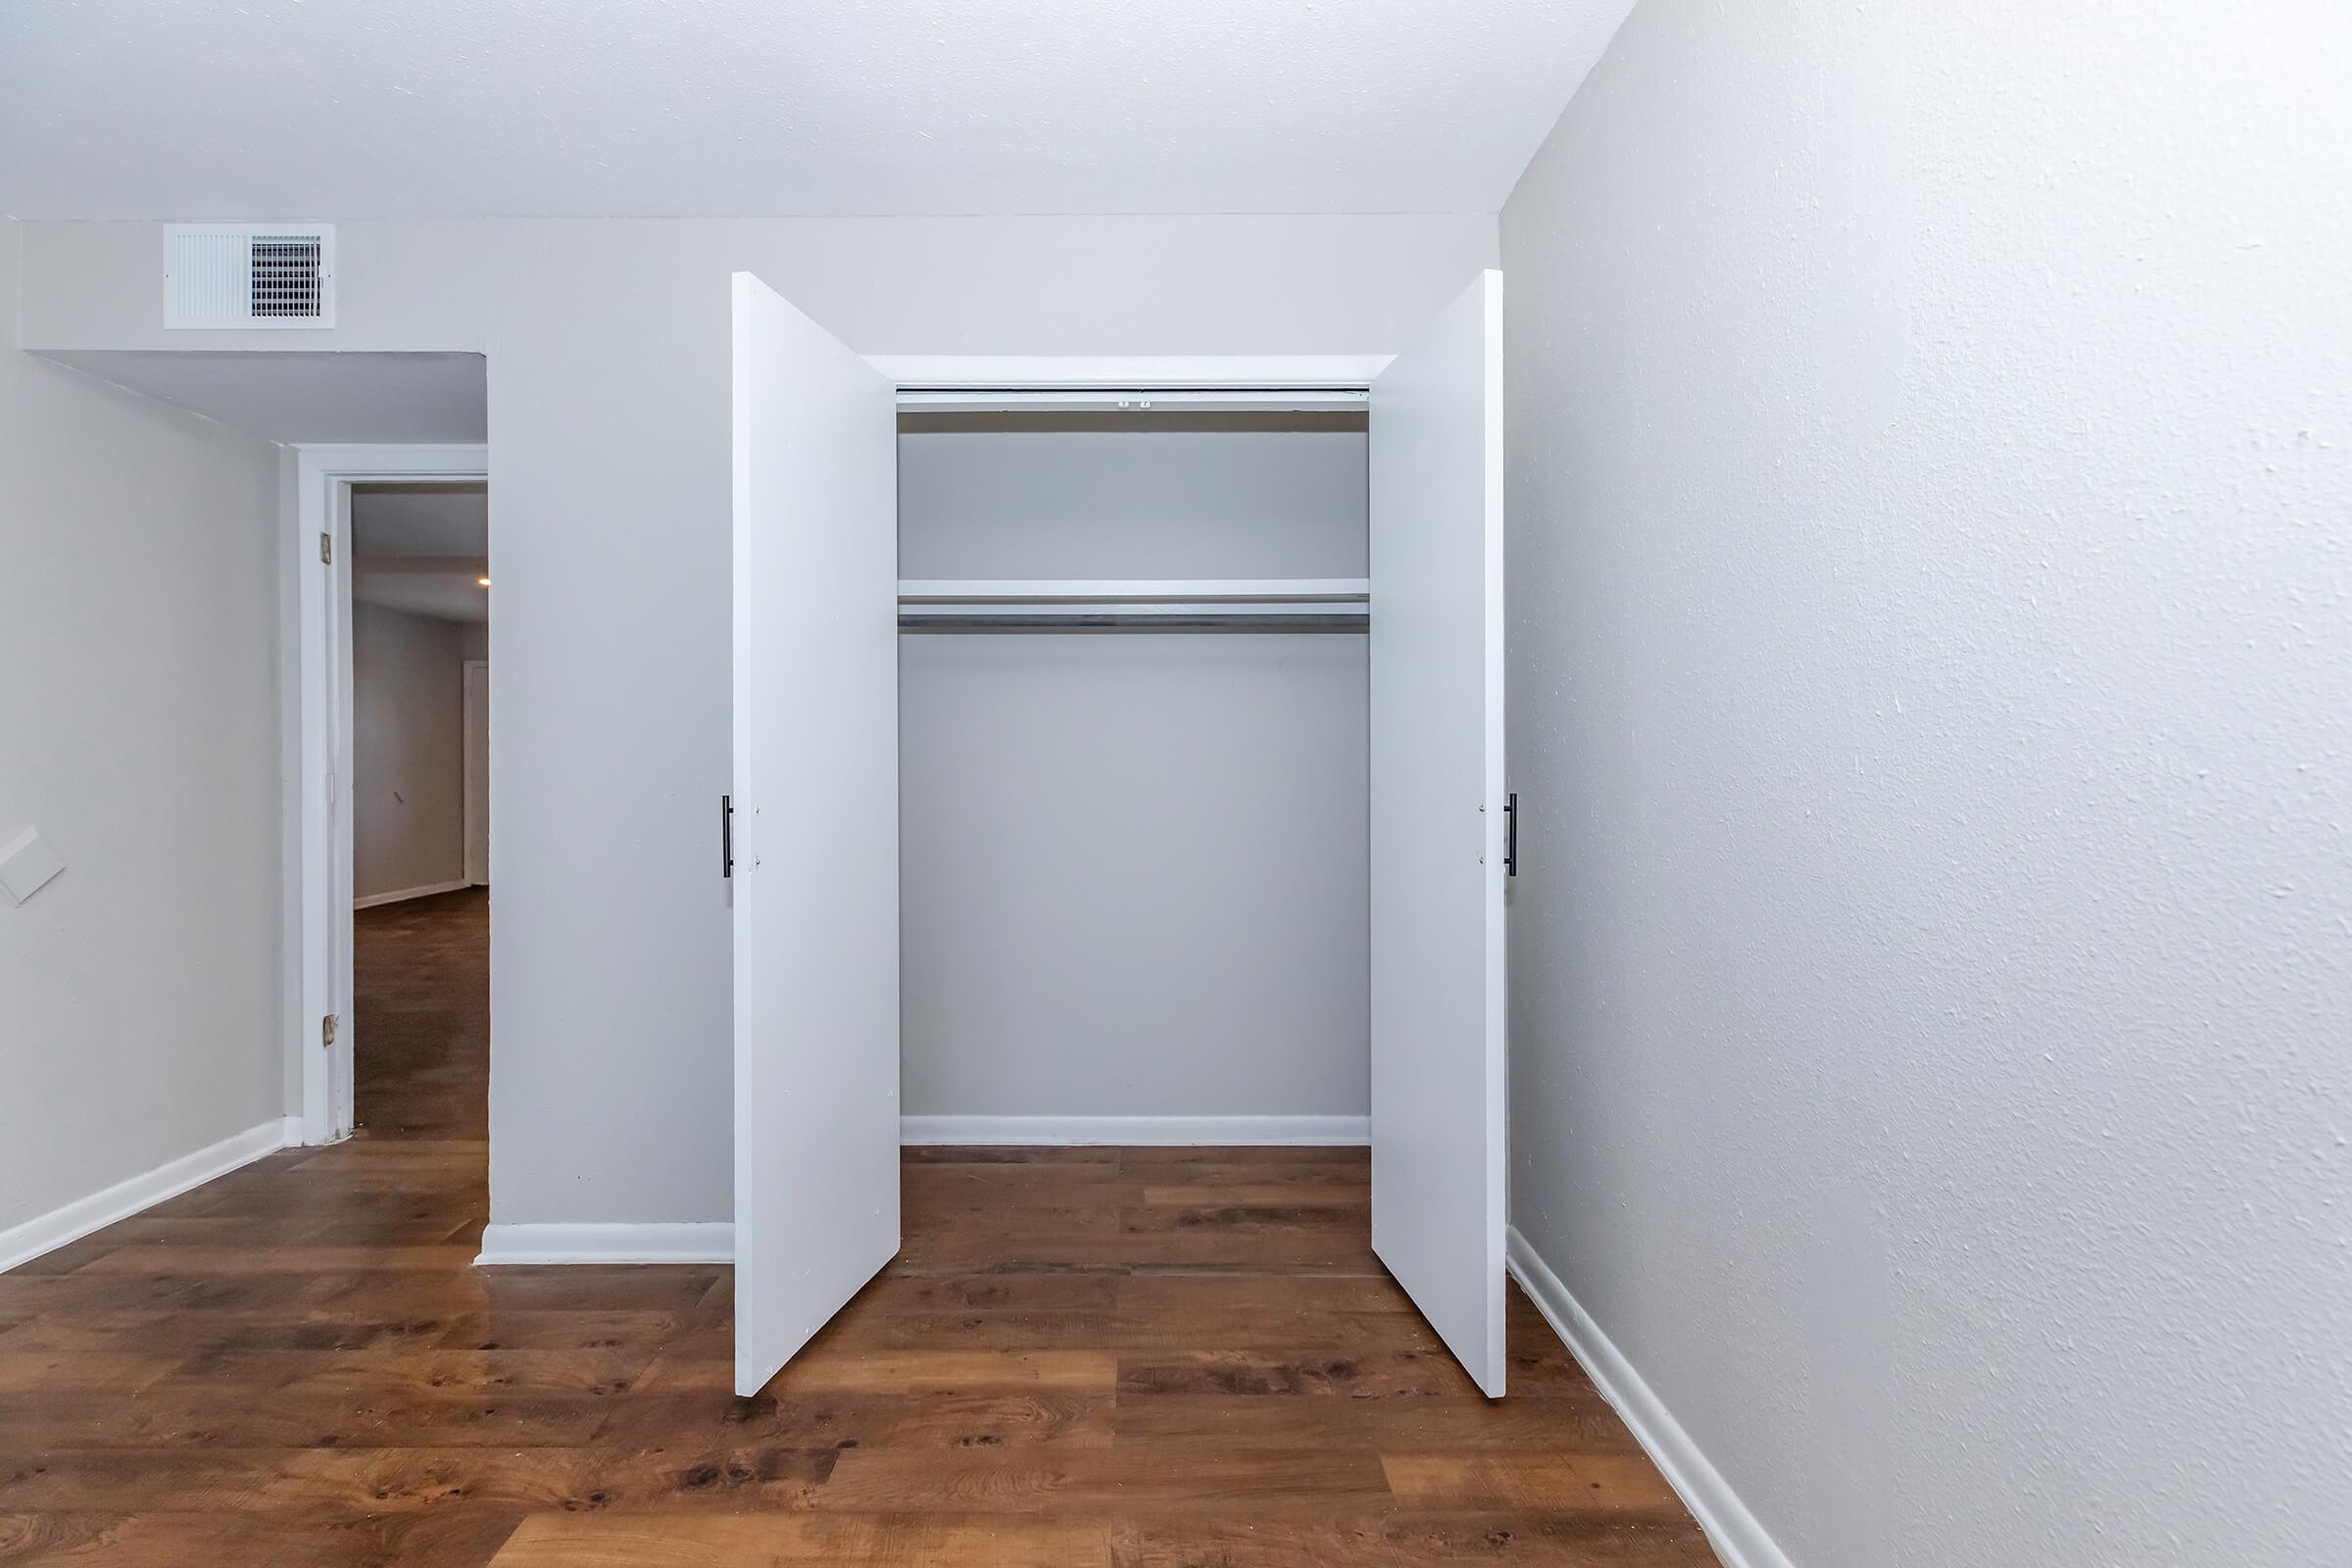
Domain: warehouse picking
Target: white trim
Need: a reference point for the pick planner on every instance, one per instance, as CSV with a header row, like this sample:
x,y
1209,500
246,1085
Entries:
x,y
45,1233
401,895
1737,1536
318,923
1348,1132
474,697
660,1241
1277,370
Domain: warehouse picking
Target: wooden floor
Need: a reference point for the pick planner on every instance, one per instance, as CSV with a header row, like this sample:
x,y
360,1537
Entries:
x,y
1151,1358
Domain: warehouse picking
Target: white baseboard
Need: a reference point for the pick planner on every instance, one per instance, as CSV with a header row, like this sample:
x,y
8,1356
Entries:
x,y
399,894
665,1241
687,1241
1734,1532
45,1233
1336,1131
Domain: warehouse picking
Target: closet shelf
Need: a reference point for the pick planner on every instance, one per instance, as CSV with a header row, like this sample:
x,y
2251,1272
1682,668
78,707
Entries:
x,y
1130,590
1258,604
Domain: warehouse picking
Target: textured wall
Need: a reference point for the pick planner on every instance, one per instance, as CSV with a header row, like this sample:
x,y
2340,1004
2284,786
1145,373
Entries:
x,y
1931,693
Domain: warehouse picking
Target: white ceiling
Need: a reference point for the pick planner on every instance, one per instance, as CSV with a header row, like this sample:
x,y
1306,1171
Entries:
x,y
419,519
307,396
396,529
486,108
441,597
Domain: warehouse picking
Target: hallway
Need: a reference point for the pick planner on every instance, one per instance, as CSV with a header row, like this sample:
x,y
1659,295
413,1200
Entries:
x,y
1142,1358
421,971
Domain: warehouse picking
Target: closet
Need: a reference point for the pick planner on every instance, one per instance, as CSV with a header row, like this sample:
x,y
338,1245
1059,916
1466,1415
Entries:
x,y
1132,723
1178,687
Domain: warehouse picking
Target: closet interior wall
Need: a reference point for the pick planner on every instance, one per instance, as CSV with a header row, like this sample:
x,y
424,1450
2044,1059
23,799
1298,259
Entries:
x,y
1133,861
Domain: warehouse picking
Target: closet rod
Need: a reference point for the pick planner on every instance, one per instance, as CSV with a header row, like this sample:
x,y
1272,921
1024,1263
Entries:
x,y
1134,617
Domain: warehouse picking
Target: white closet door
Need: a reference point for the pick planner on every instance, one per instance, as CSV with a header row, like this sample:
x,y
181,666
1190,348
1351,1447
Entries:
x,y
1438,828
815,828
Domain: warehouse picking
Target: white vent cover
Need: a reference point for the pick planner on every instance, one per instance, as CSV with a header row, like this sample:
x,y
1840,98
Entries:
x,y
249,274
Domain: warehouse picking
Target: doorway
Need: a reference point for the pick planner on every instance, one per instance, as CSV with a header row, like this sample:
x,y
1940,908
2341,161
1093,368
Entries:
x,y
393,588
418,799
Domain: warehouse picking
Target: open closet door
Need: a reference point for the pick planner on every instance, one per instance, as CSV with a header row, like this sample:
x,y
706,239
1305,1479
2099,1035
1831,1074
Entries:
x,y
1437,827
815,828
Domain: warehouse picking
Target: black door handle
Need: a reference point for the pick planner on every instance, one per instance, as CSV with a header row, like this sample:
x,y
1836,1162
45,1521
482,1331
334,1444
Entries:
x,y
1510,834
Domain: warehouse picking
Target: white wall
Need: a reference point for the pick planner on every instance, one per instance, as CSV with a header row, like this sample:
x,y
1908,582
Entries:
x,y
408,750
1931,699
1059,499
608,345
139,991
1134,873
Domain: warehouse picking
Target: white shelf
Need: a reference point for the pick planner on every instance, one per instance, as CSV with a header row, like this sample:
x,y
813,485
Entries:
x,y
1264,603
1132,590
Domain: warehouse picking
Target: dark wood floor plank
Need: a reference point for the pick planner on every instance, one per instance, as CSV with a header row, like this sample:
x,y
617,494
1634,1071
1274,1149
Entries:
x,y
1111,1480
741,1477
822,1541
663,1420
234,1539
1584,1425
1331,1369
1009,1154
1157,1358
923,1372
162,1480
1358,1538
1605,1483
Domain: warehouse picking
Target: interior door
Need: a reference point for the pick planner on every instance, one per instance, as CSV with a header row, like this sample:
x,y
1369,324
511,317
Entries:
x,y
1438,826
814,828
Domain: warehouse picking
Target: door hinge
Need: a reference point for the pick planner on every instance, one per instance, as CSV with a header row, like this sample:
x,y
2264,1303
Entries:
x,y
326,548
726,835
326,1029
1510,834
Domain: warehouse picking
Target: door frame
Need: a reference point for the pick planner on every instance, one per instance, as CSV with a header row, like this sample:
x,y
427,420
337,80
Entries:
x,y
316,624
476,817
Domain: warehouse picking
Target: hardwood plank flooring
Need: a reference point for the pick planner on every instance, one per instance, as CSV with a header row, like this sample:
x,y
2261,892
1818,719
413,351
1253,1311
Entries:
x,y
1083,1358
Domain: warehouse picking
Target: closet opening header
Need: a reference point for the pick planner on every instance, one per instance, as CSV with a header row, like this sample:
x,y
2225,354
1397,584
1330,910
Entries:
x,y
1134,399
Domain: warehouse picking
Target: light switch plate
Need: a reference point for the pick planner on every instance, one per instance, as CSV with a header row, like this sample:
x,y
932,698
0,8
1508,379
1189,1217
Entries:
x,y
26,863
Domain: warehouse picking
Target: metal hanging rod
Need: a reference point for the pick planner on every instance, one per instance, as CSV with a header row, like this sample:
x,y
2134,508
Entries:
x,y
1291,604
1181,617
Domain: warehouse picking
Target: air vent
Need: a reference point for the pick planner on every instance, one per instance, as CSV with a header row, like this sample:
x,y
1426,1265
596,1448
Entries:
x,y
249,274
